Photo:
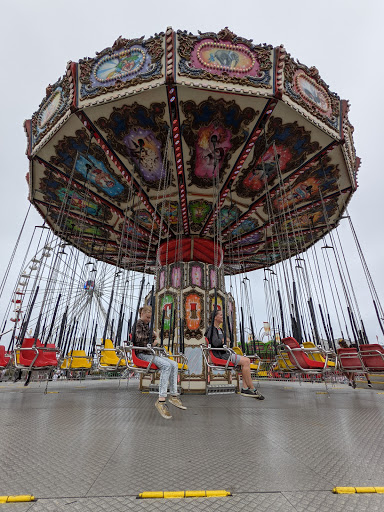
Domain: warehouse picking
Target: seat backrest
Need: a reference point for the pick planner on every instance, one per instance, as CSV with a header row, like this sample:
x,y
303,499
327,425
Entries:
x,y
27,355
349,359
108,344
315,356
4,358
373,356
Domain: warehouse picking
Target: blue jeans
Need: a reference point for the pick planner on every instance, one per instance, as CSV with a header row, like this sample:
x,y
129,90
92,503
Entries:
x,y
168,372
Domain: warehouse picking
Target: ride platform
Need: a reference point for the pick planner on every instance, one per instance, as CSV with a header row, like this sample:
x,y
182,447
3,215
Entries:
x,y
95,445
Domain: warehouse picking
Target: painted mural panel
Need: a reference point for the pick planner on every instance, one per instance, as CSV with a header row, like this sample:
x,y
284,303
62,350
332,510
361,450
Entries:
x,y
51,109
197,274
304,86
139,133
199,210
167,304
127,63
56,190
308,187
224,57
287,146
193,314
213,130
90,164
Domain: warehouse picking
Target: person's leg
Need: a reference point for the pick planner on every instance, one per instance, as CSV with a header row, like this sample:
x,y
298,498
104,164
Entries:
x,y
369,382
245,364
160,404
173,377
165,370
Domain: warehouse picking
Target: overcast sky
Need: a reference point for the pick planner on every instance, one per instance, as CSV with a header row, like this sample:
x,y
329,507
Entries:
x,y
343,39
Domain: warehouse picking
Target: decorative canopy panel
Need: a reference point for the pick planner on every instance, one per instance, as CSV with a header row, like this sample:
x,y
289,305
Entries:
x,y
182,137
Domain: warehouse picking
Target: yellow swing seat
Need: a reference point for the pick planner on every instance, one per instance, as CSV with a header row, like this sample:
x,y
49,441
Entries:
x,y
109,357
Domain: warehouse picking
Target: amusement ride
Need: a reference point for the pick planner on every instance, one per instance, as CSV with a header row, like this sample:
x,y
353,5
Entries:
x,y
167,169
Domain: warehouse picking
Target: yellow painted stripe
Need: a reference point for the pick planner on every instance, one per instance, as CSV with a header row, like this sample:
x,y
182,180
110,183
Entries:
x,y
359,490
184,494
14,499
218,493
195,494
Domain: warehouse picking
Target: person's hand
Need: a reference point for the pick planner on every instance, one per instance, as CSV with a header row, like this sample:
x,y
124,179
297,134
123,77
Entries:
x,y
155,342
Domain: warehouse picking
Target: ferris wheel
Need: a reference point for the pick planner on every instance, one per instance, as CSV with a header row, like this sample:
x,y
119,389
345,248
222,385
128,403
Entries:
x,y
59,279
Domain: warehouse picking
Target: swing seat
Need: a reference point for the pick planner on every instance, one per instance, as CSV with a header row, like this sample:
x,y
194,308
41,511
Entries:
x,y
314,353
254,367
220,362
46,356
109,357
4,358
283,363
181,366
299,358
350,361
373,357
77,360
140,363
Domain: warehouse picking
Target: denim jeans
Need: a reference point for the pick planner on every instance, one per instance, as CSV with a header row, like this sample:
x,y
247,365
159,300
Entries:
x,y
168,372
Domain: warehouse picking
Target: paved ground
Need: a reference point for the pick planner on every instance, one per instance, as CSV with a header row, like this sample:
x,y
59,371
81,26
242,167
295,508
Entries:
x,y
93,445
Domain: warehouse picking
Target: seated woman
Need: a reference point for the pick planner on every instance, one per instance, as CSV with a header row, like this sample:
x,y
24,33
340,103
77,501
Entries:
x,y
216,339
168,368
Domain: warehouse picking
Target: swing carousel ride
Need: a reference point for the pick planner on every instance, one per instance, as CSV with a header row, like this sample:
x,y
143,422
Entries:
x,y
189,158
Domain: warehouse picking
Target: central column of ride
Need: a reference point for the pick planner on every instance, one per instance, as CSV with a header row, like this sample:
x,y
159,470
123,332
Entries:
x,y
189,276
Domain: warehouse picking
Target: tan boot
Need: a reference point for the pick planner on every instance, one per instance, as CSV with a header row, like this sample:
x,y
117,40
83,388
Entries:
x,y
175,400
163,409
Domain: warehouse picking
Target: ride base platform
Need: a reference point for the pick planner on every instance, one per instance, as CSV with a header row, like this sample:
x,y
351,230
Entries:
x,y
95,445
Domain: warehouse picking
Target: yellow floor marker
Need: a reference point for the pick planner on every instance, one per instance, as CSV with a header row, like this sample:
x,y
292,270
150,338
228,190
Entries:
x,y
184,494
16,499
358,490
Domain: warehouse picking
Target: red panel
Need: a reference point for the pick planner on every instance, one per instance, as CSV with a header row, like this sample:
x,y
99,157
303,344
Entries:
x,y
188,249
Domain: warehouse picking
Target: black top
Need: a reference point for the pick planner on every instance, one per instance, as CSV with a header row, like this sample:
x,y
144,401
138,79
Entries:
x,y
217,340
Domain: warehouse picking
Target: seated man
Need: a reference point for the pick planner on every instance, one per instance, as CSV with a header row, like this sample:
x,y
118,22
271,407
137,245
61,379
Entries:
x,y
216,339
168,368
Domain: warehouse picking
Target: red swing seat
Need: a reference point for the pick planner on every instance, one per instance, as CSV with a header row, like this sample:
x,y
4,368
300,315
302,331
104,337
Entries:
x,y
140,363
349,360
4,357
299,358
218,361
45,358
373,357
